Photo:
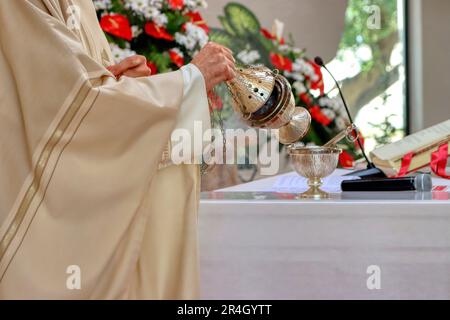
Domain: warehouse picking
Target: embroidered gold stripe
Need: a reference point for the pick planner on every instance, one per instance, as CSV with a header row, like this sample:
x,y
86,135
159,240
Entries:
x,y
41,167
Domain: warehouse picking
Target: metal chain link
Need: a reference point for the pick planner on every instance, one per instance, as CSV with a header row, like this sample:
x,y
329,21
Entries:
x,y
205,168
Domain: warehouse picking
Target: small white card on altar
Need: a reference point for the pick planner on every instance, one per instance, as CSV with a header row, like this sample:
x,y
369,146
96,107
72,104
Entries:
x,y
293,183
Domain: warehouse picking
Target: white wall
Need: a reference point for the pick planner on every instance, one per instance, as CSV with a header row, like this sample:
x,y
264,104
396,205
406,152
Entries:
x,y
436,61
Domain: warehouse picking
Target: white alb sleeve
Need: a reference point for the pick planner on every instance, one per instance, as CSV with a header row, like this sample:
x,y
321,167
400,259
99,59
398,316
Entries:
x,y
194,116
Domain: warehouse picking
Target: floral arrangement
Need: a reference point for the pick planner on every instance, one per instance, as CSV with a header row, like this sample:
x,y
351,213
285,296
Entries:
x,y
253,44
167,32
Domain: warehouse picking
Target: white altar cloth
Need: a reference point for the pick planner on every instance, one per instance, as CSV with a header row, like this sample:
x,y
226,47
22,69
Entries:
x,y
256,244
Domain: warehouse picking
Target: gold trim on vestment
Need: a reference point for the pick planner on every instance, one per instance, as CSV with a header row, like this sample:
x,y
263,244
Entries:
x,y
41,166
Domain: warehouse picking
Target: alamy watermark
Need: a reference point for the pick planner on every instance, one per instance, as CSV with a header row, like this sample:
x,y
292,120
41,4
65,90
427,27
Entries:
x,y
73,281
250,146
374,20
373,282
73,17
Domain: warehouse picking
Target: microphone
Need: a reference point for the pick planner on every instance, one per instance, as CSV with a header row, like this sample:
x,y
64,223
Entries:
x,y
419,183
372,171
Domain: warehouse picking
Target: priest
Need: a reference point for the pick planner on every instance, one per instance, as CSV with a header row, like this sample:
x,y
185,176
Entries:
x,y
91,206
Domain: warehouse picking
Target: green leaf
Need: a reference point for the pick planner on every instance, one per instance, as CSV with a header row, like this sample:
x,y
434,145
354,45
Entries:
x,y
226,25
162,60
241,19
175,21
221,37
266,43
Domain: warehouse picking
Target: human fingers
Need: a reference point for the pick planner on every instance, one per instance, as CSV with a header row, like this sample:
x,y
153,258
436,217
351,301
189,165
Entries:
x,y
141,71
127,64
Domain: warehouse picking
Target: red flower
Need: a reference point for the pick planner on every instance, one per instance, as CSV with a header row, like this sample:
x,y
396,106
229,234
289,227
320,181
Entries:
x,y
305,98
197,19
346,160
157,32
361,138
317,85
117,25
176,58
176,4
319,116
152,67
267,34
280,62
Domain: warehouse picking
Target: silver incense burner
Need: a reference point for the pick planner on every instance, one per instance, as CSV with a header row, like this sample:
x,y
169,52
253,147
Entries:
x,y
264,99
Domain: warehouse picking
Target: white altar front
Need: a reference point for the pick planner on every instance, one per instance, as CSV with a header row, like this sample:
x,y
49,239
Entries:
x,y
256,244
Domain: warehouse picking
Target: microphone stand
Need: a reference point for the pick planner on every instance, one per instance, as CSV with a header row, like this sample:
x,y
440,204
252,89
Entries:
x,y
372,171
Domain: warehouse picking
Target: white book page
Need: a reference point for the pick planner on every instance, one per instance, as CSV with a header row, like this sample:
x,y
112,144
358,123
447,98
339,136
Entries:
x,y
413,142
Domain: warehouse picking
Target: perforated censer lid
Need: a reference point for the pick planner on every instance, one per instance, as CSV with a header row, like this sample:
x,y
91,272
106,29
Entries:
x,y
251,88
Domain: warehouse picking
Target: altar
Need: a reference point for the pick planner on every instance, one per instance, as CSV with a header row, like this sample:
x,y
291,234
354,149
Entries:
x,y
259,244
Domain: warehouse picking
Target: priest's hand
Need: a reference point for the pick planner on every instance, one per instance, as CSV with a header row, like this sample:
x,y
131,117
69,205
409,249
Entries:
x,y
133,67
216,63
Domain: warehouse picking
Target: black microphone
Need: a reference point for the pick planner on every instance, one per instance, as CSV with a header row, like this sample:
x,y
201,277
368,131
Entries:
x,y
419,183
372,171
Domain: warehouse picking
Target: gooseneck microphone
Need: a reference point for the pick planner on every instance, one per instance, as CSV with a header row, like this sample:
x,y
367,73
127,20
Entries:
x,y
372,171
373,179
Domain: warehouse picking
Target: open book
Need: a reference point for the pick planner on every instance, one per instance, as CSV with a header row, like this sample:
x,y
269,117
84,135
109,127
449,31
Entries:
x,y
423,143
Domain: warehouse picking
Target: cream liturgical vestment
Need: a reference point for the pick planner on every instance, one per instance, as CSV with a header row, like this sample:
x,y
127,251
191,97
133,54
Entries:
x,y
88,210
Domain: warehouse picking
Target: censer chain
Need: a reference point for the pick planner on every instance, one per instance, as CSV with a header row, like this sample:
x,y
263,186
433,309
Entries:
x,y
204,168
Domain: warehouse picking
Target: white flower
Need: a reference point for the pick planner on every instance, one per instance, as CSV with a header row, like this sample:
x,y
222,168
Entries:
x,y
180,39
323,101
120,54
193,37
284,48
341,124
160,19
195,4
178,52
136,31
185,41
102,4
248,56
297,76
329,113
299,87
301,66
335,104
139,6
156,3
150,9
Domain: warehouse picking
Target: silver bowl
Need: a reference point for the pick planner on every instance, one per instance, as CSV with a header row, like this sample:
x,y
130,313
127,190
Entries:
x,y
314,163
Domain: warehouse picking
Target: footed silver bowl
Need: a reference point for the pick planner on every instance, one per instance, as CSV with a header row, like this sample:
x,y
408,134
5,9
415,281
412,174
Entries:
x,y
314,163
